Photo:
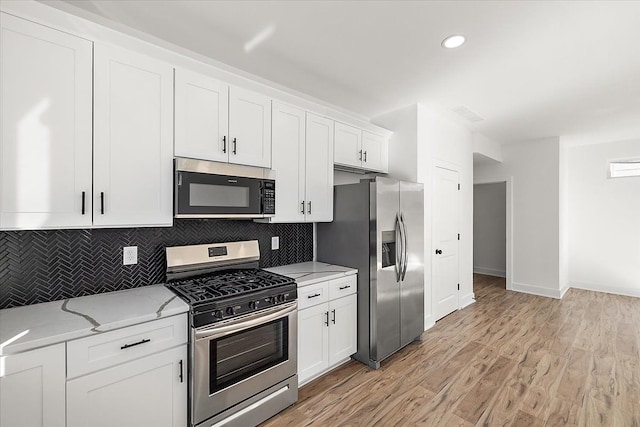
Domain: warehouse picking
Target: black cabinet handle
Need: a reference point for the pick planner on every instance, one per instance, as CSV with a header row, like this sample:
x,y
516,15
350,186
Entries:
x,y
102,203
181,375
360,155
235,146
224,144
344,287
334,316
365,156
438,252
302,207
313,296
83,193
309,210
326,322
135,344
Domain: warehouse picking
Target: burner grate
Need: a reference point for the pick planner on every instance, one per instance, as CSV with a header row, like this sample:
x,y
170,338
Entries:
x,y
213,287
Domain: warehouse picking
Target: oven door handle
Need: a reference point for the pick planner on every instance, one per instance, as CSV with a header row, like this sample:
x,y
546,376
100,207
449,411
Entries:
x,y
233,326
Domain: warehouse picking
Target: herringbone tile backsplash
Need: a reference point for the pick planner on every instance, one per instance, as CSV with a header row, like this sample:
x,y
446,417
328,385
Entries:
x,y
42,266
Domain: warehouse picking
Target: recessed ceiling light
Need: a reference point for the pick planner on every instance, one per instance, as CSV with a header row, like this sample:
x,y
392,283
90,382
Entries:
x,y
453,42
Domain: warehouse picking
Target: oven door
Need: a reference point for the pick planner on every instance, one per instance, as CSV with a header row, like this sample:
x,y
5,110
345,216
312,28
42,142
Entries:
x,y
234,360
202,195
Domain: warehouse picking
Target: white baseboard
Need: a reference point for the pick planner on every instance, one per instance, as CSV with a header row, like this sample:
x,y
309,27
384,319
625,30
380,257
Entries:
x,y
598,287
467,300
429,322
489,271
564,289
537,290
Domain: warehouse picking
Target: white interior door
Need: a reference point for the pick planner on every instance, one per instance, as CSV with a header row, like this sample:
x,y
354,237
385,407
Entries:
x,y
446,221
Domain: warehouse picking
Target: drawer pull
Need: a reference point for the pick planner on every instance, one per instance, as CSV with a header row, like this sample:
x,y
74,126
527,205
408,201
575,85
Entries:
x,y
342,288
313,296
135,344
181,376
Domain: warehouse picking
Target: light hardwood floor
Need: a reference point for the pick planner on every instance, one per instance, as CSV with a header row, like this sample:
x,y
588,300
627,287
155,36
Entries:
x,y
510,359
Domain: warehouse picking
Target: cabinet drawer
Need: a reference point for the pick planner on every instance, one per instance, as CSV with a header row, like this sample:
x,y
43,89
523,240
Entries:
x,y
343,286
311,295
122,345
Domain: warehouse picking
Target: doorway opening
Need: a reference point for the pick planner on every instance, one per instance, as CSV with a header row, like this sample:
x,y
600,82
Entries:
x,y
491,234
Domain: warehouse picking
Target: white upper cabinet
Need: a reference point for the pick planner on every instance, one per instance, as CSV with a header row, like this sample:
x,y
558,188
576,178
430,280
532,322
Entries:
x,y
348,145
319,169
133,139
249,128
219,123
201,117
375,153
288,150
303,162
359,149
45,145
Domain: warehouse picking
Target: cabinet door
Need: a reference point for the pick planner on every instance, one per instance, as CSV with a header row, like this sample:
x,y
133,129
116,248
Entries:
x,y
313,341
133,149
319,184
249,128
374,152
348,145
288,161
201,117
32,387
343,328
151,391
45,142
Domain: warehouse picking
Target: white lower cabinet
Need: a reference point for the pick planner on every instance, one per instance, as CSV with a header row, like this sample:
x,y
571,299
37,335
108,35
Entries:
x,y
342,339
313,342
327,330
150,391
32,388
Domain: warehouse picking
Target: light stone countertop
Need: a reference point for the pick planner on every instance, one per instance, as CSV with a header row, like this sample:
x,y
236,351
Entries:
x,y
307,273
29,327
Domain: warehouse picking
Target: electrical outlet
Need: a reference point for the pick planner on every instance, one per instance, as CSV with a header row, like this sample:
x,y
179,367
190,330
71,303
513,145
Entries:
x,y
275,243
129,255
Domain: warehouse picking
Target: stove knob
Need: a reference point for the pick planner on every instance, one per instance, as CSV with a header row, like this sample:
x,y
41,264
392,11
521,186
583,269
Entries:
x,y
252,305
272,300
231,311
280,298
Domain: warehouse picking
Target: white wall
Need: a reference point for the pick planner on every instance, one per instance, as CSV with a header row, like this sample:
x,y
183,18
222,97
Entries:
x,y
535,168
489,229
487,147
604,230
423,136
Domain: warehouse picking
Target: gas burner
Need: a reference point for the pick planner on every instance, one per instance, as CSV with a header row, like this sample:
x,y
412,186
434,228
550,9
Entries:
x,y
217,286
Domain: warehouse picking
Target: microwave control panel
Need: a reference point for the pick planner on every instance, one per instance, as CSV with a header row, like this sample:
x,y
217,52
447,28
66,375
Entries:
x,y
268,197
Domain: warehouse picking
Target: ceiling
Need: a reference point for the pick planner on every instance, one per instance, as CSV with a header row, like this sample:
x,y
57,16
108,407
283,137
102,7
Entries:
x,y
531,69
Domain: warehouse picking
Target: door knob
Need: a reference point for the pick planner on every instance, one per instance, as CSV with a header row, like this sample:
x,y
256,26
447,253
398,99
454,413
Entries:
x,y
438,252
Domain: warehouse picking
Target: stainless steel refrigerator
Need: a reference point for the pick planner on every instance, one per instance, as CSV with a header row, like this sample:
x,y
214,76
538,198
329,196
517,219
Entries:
x,y
378,228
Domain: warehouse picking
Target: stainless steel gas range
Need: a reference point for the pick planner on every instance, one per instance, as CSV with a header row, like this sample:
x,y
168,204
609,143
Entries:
x,y
243,341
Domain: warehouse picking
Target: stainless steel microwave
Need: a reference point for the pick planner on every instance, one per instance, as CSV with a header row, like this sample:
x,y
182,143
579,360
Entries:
x,y
221,190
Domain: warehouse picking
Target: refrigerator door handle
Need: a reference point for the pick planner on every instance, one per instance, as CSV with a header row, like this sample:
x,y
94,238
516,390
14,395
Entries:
x,y
405,256
398,264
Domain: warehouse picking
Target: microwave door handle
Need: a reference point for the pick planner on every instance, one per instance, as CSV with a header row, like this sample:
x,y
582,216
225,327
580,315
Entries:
x,y
236,325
